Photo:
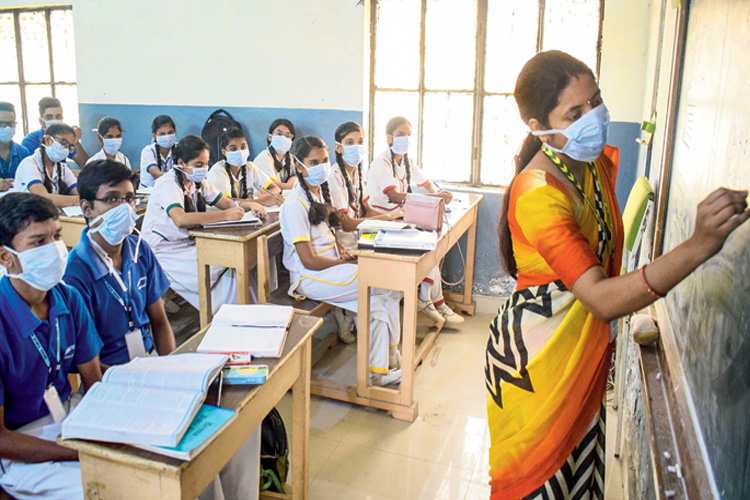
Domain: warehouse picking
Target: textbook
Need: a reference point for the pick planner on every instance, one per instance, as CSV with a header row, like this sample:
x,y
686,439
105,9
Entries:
x,y
407,239
258,329
208,421
373,226
146,401
251,375
73,211
247,220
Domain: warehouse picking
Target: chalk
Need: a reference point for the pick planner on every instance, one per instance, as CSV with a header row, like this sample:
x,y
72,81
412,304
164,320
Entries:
x,y
672,469
667,455
679,471
658,376
669,493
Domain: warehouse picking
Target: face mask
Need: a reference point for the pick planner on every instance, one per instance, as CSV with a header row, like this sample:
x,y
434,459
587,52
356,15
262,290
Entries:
x,y
7,133
318,174
116,225
587,136
354,154
238,158
111,146
42,267
199,173
57,152
166,141
401,144
47,123
281,144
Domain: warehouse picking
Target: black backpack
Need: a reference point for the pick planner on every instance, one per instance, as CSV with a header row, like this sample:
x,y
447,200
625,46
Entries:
x,y
274,453
219,122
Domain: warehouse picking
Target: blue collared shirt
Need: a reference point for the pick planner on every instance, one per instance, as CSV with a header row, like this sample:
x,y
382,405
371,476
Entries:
x,y
17,153
33,140
90,276
24,376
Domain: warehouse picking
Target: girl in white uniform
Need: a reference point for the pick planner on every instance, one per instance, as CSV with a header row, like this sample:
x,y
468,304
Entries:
x,y
156,158
46,172
178,202
109,135
241,180
320,270
389,180
276,160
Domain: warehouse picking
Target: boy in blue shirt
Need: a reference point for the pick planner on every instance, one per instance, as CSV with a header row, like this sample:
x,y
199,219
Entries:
x,y
45,334
118,276
50,111
11,153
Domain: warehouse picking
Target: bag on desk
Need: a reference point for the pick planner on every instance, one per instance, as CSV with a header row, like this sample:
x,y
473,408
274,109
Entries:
x,y
274,453
426,212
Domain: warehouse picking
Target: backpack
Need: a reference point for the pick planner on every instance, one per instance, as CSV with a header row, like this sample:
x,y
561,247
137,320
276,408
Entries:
x,y
219,122
274,453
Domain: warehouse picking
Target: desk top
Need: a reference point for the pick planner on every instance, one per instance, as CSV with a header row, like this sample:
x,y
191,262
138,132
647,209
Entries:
x,y
239,234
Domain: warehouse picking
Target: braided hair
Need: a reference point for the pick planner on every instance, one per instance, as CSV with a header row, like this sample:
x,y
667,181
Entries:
x,y
226,137
341,132
393,124
283,169
188,149
318,212
62,186
158,123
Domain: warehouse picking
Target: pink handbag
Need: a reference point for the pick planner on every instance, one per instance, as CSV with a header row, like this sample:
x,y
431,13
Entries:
x,y
426,212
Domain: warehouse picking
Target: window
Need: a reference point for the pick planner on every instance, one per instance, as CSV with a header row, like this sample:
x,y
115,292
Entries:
x,y
38,54
450,66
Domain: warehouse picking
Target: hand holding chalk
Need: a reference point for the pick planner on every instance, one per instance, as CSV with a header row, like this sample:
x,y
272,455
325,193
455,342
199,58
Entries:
x,y
720,213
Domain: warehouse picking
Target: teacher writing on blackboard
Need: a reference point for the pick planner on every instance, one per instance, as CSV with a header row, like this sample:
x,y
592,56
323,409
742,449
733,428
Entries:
x,y
561,236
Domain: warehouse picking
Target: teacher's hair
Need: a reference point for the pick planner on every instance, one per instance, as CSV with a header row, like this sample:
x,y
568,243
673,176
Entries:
x,y
538,88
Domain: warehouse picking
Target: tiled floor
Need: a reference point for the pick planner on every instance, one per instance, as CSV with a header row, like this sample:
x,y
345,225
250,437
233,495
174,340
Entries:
x,y
364,454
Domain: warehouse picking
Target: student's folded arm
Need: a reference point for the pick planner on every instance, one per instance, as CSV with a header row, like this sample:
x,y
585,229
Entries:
x,y
154,171
312,261
349,223
17,446
60,200
90,372
395,196
160,328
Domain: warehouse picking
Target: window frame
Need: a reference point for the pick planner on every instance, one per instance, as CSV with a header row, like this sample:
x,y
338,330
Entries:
x,y
478,92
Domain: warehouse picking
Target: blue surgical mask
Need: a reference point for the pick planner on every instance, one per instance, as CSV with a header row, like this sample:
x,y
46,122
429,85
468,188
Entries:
x,y
7,133
42,267
237,158
57,152
166,141
281,144
317,174
116,224
401,144
112,145
587,136
198,175
47,123
353,154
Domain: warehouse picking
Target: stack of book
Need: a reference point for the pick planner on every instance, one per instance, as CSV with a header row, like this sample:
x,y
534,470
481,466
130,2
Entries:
x,y
378,234
248,220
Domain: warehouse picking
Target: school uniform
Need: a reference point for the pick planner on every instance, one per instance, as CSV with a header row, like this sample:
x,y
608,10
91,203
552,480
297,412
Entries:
x,y
24,376
31,171
175,250
340,200
264,161
8,167
112,308
100,155
33,140
255,180
335,285
148,159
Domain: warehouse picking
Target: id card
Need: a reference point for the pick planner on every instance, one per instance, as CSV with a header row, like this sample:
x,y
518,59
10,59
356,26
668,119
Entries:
x,y
134,342
54,405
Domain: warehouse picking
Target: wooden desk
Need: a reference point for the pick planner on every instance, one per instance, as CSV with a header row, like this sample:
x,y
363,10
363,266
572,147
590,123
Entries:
x,y
118,471
404,272
235,248
72,227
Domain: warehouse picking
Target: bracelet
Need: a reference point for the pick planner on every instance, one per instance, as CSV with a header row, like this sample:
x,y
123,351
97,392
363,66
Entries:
x,y
648,286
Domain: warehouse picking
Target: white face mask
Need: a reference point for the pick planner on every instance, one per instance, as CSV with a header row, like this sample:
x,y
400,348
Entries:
x,y
354,154
47,123
198,175
317,174
281,144
117,224
166,141
42,267
237,158
111,146
57,152
7,133
401,144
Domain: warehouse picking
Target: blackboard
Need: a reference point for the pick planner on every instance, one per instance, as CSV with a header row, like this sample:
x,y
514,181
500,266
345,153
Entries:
x,y
710,311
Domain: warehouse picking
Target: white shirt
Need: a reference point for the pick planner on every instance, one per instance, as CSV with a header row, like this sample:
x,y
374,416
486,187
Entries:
x,y
295,227
339,191
255,179
158,226
381,178
100,155
31,171
148,159
264,161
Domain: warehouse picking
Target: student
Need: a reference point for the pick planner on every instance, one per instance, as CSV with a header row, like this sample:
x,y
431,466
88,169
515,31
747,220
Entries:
x,y
276,160
389,181
241,180
117,275
46,171
45,334
50,113
322,271
156,158
178,202
11,153
109,135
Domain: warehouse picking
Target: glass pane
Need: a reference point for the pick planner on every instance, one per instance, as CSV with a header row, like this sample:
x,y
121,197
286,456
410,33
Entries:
x,y
9,67
34,46
512,28
63,46
397,44
12,94
68,95
33,94
450,37
446,147
388,105
572,26
502,135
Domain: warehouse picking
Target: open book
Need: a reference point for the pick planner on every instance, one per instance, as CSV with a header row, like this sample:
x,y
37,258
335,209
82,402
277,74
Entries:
x,y
247,220
257,329
407,239
373,226
146,401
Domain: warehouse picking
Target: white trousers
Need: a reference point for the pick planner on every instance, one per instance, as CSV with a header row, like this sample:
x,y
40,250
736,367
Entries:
x,y
337,286
240,477
431,288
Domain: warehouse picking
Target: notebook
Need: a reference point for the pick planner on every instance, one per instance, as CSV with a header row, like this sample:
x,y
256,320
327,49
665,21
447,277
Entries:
x,y
258,329
407,239
146,401
247,220
73,211
373,226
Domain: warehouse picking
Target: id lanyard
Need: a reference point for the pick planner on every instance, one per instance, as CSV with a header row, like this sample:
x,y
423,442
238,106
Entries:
x,y
126,304
44,354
